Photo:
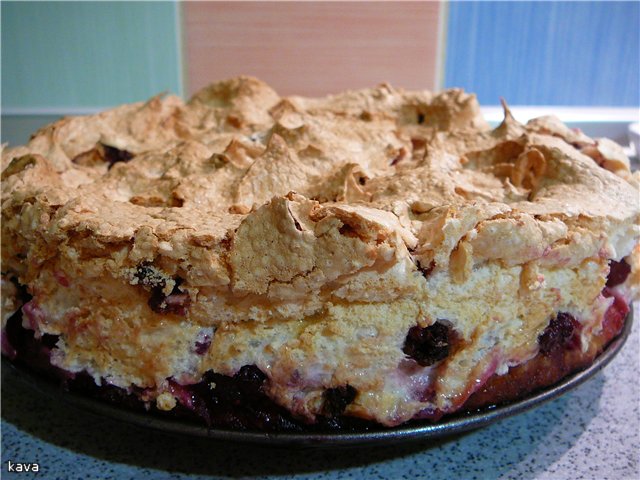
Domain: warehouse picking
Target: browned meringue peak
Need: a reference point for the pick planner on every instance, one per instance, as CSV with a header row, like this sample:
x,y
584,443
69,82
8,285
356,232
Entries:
x,y
469,138
238,103
275,172
606,153
458,167
610,156
135,128
552,125
513,202
450,109
154,125
313,245
369,104
316,158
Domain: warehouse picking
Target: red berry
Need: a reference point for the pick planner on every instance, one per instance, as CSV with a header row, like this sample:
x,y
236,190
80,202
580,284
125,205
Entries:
x,y
558,334
618,272
615,314
428,345
337,399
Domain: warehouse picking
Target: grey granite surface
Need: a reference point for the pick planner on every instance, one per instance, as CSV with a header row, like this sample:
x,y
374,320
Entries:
x,y
592,432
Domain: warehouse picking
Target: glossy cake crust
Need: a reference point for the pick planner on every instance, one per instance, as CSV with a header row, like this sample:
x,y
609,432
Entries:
x,y
376,254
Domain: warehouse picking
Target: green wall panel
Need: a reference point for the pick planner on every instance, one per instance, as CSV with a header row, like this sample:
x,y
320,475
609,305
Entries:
x,y
65,55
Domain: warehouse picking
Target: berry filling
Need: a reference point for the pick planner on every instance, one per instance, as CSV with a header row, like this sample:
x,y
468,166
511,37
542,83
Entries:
x,y
21,346
559,334
430,344
561,358
177,302
337,399
240,402
7,348
203,344
149,276
236,402
616,313
618,272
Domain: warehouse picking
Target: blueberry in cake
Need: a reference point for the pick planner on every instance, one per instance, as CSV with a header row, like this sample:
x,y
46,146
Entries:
x,y
368,258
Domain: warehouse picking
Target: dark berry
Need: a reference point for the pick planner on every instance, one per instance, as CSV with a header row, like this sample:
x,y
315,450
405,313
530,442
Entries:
x,y
176,303
250,376
49,341
336,399
114,155
202,345
61,278
149,276
559,333
20,344
618,272
426,271
428,345
7,347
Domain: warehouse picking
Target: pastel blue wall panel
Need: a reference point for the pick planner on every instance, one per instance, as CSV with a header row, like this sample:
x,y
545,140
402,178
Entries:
x,y
545,53
87,54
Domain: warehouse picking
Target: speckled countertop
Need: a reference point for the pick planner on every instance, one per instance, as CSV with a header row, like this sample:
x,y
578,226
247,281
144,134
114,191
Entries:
x,y
592,432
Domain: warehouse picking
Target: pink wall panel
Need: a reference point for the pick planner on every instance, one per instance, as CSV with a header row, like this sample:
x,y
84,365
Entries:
x,y
312,48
